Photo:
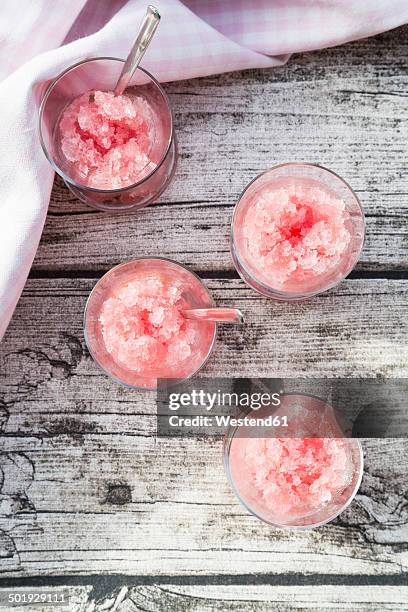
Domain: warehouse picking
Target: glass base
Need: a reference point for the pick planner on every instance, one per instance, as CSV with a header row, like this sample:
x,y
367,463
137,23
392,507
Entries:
x,y
137,197
269,293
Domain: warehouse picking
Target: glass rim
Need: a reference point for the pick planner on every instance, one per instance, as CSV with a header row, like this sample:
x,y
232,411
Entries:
x,y
58,170
112,376
226,448
269,288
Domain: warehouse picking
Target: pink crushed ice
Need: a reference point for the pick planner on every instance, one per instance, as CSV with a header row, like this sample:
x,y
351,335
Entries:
x,y
144,330
295,232
106,139
294,476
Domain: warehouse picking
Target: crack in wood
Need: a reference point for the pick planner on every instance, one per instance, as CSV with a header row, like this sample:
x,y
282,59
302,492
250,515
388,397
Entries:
x,y
114,581
17,473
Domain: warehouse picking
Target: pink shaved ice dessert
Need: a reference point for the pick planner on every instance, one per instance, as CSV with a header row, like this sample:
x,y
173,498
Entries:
x,y
291,477
106,139
145,332
293,233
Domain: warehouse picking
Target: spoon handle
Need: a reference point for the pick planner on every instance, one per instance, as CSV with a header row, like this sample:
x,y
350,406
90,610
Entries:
x,y
220,315
145,35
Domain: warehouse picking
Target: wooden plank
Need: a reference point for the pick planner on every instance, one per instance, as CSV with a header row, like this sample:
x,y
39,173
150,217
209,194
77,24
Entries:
x,y
95,504
263,598
43,354
324,84
242,597
73,242
321,107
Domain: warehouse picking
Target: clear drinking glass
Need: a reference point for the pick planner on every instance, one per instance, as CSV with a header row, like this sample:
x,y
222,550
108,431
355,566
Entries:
x,y
248,493
194,293
308,176
102,74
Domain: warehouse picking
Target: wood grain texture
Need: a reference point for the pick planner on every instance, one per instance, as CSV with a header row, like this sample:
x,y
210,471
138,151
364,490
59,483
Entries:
x,y
89,447
73,242
241,598
254,599
44,343
96,503
86,488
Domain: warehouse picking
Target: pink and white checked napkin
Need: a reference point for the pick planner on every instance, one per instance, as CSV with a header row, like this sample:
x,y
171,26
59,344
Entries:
x,y
195,38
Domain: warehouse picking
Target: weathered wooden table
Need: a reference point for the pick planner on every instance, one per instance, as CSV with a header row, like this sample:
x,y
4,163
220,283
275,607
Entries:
x,y
86,489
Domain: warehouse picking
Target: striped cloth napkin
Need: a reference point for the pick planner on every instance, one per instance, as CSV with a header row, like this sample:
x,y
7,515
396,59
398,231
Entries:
x,y
195,38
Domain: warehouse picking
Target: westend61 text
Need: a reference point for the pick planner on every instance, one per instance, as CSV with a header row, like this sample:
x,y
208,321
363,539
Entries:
x,y
227,421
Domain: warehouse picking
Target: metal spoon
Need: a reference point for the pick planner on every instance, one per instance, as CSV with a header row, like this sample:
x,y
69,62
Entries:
x,y
219,315
145,35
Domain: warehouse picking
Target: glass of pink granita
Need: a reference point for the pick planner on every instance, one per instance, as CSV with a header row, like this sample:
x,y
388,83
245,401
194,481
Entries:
x,y
297,230
114,152
134,325
300,476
